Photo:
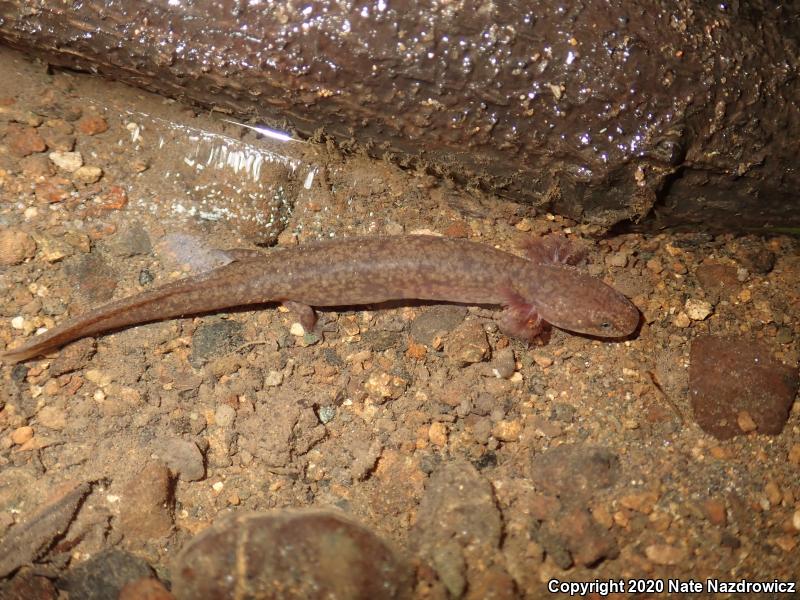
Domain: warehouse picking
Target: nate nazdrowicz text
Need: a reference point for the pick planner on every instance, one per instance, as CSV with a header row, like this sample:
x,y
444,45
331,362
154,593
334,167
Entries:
x,y
604,587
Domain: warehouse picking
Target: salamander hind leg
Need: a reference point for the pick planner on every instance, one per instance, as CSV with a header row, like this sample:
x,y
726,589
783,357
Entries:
x,y
520,319
306,314
554,248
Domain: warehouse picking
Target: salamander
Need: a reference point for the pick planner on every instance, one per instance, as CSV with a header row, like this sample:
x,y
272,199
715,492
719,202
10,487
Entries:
x,y
532,290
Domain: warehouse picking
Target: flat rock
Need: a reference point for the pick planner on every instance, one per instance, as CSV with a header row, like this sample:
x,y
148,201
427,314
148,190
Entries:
x,y
147,504
435,321
719,281
309,554
214,339
183,458
574,471
736,380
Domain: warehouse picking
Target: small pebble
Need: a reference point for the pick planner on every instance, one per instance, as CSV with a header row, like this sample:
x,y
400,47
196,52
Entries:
x,y
92,125
326,414
507,431
382,386
642,502
698,310
542,360
679,268
664,554
745,422
273,379
503,363
183,458
87,174
225,415
655,265
794,455
21,435
715,511
617,259
15,246
297,330
773,492
437,434
68,161
681,320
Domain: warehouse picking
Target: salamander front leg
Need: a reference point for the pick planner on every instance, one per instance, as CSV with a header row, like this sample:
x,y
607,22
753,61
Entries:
x,y
520,319
306,314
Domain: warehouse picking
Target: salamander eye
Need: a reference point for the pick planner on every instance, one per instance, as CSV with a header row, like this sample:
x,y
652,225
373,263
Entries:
x,y
605,325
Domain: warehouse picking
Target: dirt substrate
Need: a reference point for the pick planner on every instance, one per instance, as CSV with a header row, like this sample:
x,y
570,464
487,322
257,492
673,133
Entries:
x,y
484,467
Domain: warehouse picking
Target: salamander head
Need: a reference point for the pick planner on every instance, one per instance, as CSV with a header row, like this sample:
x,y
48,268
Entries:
x,y
581,303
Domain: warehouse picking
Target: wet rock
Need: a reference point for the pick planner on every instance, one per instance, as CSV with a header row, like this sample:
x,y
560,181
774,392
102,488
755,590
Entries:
x,y
307,554
211,340
183,458
574,471
467,344
147,504
15,246
103,576
436,321
732,376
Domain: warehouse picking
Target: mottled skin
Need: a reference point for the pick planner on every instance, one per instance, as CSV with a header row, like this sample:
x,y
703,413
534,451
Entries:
x,y
371,270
